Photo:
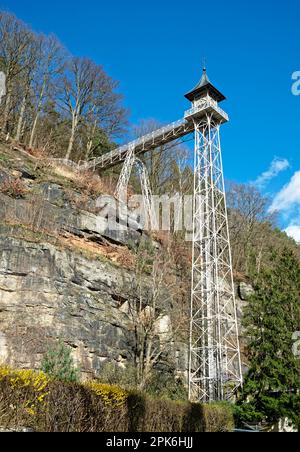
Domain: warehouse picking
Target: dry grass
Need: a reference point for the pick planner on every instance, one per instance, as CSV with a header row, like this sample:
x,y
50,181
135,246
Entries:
x,y
63,171
15,188
88,182
37,153
117,254
240,277
162,237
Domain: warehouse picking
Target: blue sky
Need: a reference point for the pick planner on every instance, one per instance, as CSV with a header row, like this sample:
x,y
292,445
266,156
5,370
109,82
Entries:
x,y
155,49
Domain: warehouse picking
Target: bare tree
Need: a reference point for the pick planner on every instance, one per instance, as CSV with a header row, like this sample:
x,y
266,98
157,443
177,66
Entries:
x,y
155,315
51,59
30,60
88,95
77,90
250,225
105,115
15,42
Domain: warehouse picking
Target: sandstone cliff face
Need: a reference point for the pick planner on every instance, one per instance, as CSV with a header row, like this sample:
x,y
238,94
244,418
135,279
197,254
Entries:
x,y
48,293
66,265
64,271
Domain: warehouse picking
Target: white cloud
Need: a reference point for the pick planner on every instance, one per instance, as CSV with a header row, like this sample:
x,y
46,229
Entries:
x,y
277,166
293,231
289,196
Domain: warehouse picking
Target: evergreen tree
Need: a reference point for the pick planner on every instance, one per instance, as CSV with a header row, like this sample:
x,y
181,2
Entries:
x,y
272,385
59,365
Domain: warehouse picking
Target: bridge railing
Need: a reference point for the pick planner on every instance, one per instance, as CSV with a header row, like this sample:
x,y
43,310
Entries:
x,y
206,103
151,136
142,142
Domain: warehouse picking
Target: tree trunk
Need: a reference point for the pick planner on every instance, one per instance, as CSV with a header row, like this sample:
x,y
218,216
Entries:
x,y
88,149
89,145
33,130
35,122
71,144
72,137
6,111
21,119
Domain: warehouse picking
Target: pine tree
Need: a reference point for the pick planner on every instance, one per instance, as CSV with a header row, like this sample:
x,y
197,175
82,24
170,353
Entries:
x,y
272,385
59,365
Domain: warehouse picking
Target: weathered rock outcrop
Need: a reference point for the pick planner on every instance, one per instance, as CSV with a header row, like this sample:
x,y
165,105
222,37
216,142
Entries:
x,y
66,265
245,291
48,293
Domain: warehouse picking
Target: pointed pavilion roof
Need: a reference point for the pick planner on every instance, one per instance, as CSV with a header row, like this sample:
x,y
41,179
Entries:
x,y
205,87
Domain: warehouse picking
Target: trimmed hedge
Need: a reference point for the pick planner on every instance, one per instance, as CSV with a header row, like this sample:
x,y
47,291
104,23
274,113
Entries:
x,y
31,399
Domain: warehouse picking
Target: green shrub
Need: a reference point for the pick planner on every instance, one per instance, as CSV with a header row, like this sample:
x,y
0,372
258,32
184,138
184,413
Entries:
x,y
162,384
218,417
167,385
76,408
194,420
58,364
113,374
149,414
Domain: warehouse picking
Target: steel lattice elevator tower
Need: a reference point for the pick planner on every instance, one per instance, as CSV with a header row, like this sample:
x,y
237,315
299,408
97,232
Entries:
x,y
214,363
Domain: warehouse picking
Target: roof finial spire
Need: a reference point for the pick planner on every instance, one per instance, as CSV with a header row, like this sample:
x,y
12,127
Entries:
x,y
205,86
